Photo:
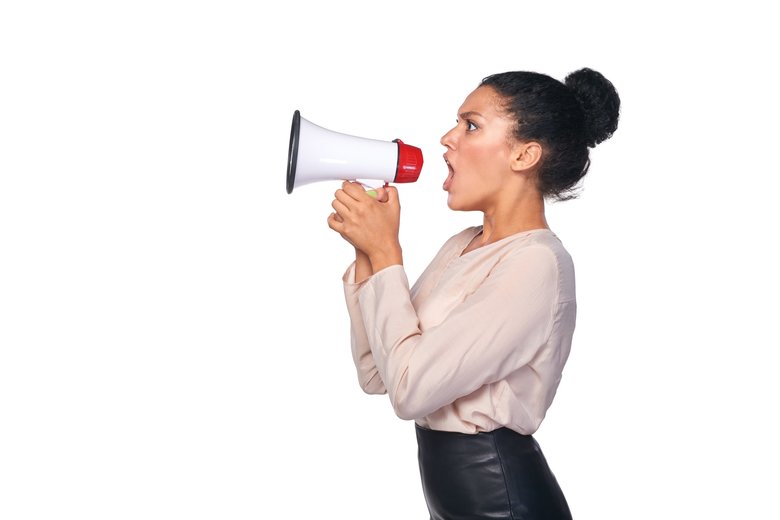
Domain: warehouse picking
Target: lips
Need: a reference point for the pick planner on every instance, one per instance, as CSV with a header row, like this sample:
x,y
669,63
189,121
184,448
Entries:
x,y
450,176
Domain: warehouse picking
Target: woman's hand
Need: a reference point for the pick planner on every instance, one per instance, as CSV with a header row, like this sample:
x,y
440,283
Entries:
x,y
370,224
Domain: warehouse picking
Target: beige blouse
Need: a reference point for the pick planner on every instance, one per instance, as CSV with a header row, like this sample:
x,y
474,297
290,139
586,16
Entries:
x,y
478,343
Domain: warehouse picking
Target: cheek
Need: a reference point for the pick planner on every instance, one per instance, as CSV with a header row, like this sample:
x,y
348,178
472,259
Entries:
x,y
485,164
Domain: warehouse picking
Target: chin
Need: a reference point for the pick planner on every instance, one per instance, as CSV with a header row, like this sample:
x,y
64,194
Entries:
x,y
458,205
452,202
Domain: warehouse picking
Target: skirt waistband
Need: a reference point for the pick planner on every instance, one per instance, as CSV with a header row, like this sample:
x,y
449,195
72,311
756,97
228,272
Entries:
x,y
499,475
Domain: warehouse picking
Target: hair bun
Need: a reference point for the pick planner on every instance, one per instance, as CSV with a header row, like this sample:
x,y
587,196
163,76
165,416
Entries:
x,y
599,101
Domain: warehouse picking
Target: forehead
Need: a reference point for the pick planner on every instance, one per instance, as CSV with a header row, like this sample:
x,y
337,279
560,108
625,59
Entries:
x,y
484,100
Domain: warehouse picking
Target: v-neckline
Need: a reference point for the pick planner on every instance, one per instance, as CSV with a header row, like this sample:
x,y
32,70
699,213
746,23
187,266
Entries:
x,y
463,253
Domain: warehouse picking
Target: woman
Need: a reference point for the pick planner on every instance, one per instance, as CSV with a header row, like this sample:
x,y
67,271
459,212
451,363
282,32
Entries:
x,y
474,352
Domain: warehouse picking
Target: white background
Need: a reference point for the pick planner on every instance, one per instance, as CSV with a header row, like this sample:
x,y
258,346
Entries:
x,y
173,339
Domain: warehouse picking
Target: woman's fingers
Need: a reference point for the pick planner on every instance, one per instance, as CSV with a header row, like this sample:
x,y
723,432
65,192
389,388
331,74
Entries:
x,y
343,198
354,190
381,194
392,195
340,207
335,223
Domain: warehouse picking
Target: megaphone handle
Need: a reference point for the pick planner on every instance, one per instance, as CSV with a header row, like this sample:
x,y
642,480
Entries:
x,y
371,184
372,191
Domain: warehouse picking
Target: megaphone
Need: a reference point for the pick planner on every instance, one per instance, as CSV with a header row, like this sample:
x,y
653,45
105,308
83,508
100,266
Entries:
x,y
318,154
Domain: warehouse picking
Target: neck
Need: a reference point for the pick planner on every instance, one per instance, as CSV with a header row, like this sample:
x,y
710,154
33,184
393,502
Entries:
x,y
523,213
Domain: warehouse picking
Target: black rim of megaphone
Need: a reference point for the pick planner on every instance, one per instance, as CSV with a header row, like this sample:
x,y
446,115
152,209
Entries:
x,y
292,154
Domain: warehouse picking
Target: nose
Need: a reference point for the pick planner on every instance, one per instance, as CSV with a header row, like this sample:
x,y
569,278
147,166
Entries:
x,y
448,139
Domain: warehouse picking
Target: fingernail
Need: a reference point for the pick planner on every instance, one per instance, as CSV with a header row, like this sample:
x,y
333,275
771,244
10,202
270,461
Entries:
x,y
371,193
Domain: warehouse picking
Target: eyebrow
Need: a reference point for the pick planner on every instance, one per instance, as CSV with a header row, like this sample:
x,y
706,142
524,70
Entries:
x,y
466,115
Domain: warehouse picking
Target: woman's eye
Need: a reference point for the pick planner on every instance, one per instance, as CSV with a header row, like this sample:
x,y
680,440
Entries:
x,y
470,126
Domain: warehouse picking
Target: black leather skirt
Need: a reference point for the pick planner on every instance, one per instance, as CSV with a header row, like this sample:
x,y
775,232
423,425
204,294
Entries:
x,y
493,475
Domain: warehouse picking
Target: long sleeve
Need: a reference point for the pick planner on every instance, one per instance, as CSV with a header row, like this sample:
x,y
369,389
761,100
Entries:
x,y
368,375
502,325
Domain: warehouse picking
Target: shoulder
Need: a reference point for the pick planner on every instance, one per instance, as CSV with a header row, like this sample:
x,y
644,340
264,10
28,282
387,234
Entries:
x,y
548,241
544,249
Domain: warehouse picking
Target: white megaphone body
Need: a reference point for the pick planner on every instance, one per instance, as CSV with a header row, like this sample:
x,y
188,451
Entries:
x,y
318,154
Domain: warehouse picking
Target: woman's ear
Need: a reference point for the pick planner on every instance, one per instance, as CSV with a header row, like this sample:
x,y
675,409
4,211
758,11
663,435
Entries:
x,y
525,156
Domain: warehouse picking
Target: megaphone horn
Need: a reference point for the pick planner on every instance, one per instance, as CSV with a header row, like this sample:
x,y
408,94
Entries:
x,y
318,154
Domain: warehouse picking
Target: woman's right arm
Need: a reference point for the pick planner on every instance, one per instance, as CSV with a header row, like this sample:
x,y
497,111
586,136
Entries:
x,y
363,268
368,374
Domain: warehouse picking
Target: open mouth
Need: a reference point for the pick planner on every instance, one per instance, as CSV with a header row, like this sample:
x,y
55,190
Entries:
x,y
450,176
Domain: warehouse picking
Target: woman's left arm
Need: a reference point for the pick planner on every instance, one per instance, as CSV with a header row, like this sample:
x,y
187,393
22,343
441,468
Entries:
x,y
368,223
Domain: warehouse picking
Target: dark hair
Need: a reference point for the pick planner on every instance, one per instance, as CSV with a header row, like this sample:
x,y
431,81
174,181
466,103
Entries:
x,y
565,118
